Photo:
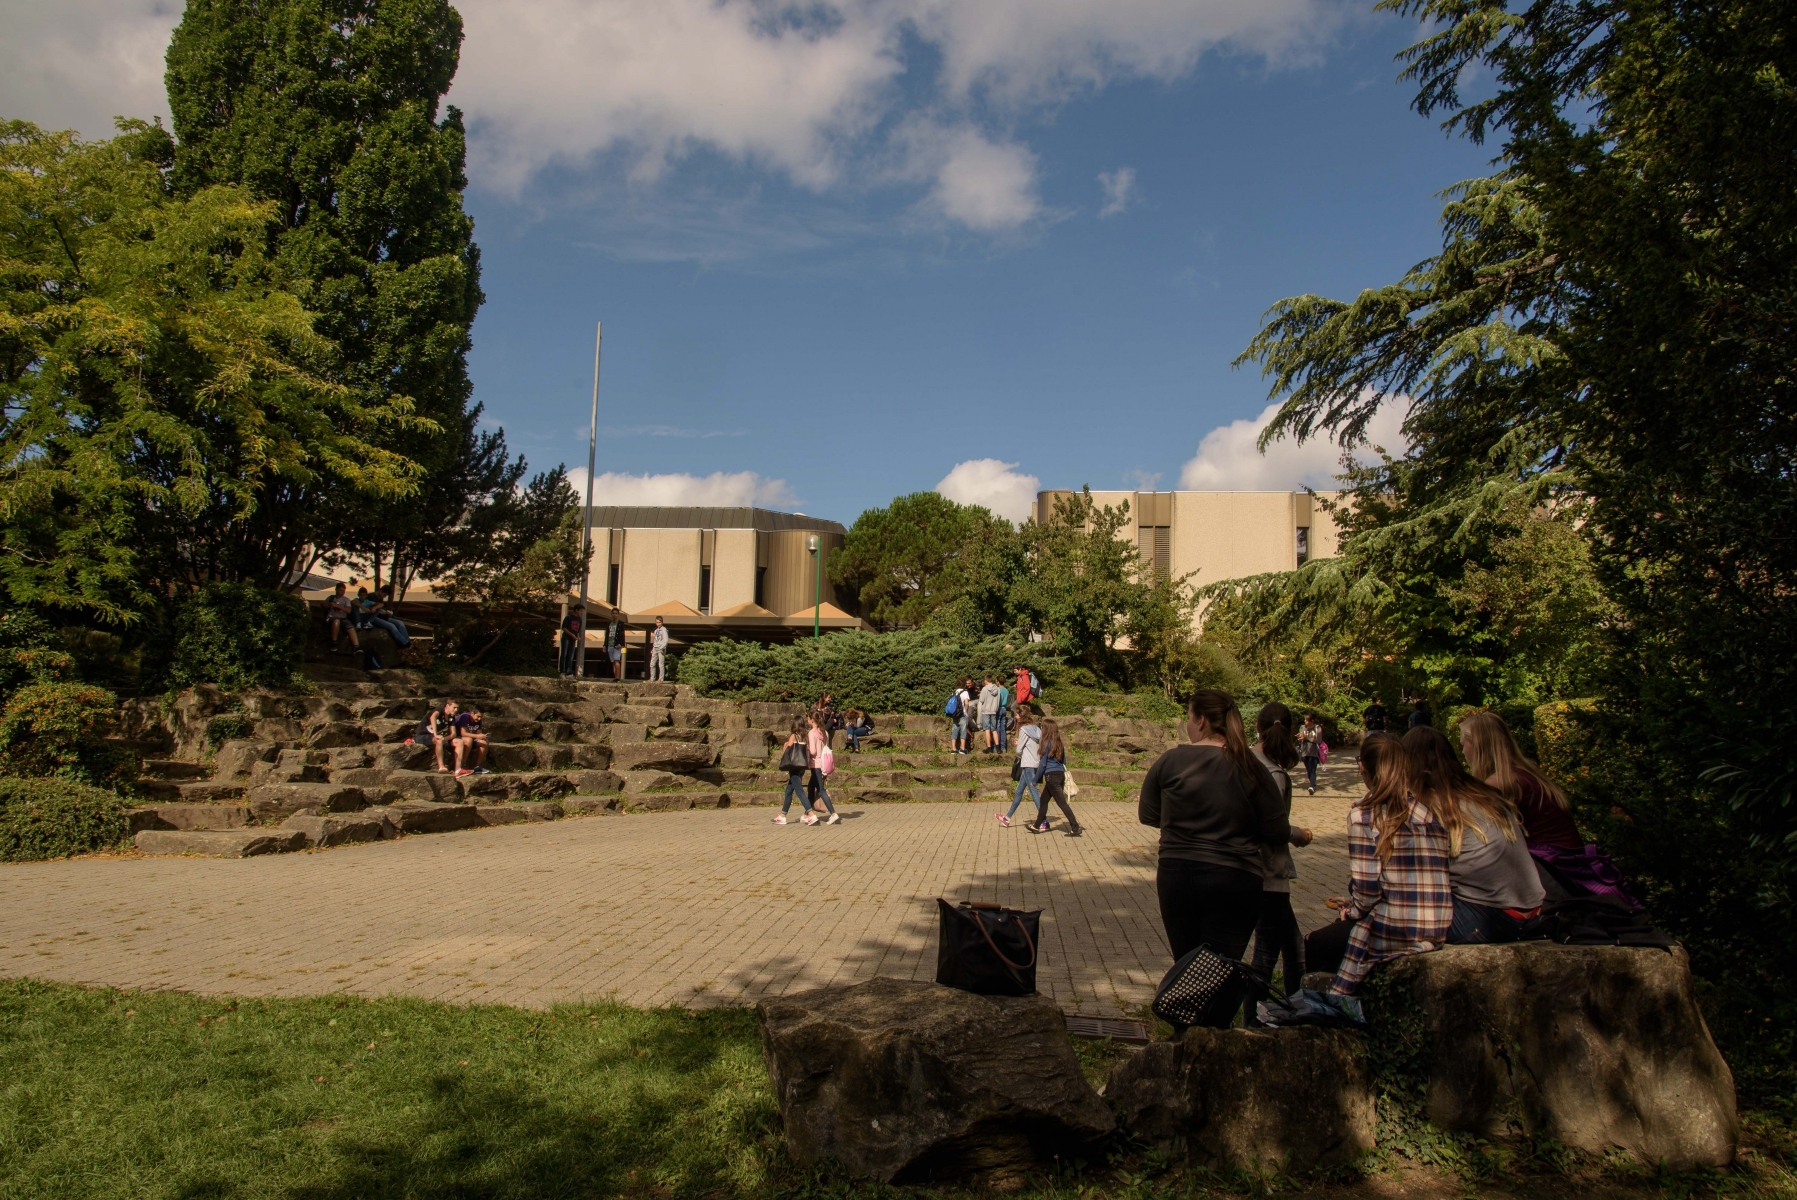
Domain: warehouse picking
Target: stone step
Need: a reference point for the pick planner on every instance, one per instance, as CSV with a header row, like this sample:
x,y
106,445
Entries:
x,y
219,843
173,769
187,817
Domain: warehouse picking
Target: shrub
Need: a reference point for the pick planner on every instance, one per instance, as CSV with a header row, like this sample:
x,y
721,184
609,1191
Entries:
x,y
58,729
238,636
909,671
54,818
222,729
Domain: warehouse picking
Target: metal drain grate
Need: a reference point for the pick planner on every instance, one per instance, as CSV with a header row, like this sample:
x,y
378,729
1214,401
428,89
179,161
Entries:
x,y
1100,1028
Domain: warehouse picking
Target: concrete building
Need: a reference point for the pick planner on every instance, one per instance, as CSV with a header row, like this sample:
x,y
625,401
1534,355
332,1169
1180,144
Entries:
x,y
716,570
1219,535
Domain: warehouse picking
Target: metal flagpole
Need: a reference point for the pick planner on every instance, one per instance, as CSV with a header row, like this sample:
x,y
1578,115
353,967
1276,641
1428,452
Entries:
x,y
586,522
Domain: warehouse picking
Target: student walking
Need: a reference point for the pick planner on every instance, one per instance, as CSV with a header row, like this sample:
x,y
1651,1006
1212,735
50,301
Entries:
x,y
1310,747
573,629
795,760
1054,781
1399,899
1004,713
1025,690
1216,807
1276,934
823,762
1374,718
658,652
1029,764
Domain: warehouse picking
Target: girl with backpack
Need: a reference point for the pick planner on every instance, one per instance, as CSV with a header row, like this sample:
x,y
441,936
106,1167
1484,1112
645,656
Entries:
x,y
1054,781
823,762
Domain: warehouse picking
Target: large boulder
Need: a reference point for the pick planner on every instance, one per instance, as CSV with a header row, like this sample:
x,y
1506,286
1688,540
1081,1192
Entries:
x,y
665,756
742,743
423,816
906,1081
325,830
765,715
188,816
1599,1048
1256,1100
427,785
237,756
219,843
640,714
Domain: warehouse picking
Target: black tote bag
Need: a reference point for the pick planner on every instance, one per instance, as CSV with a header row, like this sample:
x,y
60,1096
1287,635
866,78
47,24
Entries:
x,y
1204,988
987,949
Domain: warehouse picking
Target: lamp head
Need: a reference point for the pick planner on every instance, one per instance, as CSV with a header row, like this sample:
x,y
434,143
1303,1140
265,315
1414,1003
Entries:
x,y
813,542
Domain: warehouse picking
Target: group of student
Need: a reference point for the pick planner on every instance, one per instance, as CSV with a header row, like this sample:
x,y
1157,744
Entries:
x,y
456,733
994,709
1041,769
808,760
1438,854
573,631
345,616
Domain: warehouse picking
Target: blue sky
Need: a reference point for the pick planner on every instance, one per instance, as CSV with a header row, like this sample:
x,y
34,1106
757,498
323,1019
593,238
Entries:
x,y
867,247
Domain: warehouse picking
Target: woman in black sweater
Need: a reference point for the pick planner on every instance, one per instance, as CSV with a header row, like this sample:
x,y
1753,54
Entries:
x,y
1215,807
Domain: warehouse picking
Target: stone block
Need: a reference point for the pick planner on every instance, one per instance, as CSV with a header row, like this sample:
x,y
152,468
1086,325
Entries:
x,y
625,735
208,791
614,692
219,843
321,830
289,766
740,798
661,694
508,756
911,1082
500,814
333,734
237,756
640,714
662,801
285,730
589,783
524,709
729,720
555,731
691,718
942,795
187,816
423,816
667,756
584,805
636,782
276,801
401,757
772,716
1263,1101
540,785
1600,1048
592,758
554,758
487,788
746,743
503,729
427,785
347,757
681,733
391,729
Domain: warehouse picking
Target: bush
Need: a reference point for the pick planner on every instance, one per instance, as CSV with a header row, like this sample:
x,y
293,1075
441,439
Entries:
x,y
54,818
238,636
222,729
910,671
58,729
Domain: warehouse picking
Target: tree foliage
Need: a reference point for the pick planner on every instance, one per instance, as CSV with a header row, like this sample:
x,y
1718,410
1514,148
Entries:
x,y
907,560
160,383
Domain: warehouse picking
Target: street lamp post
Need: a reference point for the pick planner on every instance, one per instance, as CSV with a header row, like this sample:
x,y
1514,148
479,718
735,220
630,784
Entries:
x,y
586,520
815,545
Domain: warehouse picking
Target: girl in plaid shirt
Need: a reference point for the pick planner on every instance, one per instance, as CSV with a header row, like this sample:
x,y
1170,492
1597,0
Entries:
x,y
1399,897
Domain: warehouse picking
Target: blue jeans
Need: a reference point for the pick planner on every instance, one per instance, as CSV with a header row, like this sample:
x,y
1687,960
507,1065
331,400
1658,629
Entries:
x,y
794,788
1030,779
1476,924
395,630
818,791
856,733
1001,733
960,729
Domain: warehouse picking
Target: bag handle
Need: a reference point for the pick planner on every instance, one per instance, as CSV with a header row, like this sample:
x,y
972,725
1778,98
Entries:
x,y
994,945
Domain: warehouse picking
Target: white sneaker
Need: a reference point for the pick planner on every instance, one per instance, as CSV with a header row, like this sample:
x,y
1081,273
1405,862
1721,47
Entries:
x,y
780,820
810,819
835,819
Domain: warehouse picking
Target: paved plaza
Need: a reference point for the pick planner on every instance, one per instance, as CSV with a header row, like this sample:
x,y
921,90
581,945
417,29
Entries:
x,y
693,908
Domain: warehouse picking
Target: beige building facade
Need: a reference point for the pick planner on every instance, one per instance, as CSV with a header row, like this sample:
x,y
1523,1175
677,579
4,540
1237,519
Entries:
x,y
1212,536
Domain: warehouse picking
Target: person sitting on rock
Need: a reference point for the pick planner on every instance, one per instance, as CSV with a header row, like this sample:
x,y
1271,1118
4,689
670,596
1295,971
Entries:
x,y
1399,897
437,730
1497,890
379,615
339,618
471,744
857,725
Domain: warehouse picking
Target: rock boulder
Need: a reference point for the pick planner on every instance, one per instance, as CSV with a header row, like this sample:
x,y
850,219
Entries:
x,y
324,830
220,843
1256,1100
906,1081
1600,1048
278,800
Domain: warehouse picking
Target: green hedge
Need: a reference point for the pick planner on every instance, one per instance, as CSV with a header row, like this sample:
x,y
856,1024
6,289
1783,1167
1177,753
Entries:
x,y
54,818
911,671
58,729
238,636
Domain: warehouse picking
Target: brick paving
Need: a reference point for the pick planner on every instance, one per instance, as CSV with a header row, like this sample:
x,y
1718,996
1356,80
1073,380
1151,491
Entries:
x,y
690,908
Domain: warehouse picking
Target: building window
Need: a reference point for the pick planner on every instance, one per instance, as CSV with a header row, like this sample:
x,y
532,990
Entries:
x,y
761,587
1155,543
611,585
705,589
1303,545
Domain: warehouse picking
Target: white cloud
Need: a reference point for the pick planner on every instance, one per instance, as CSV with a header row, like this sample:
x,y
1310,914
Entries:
x,y
1119,190
720,489
76,64
1228,459
994,484
821,92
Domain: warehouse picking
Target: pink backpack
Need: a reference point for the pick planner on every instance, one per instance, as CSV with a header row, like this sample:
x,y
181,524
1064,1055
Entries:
x,y
826,762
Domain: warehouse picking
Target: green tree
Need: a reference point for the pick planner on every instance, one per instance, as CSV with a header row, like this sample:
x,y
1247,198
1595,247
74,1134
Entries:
x,y
328,110
160,384
922,551
1083,582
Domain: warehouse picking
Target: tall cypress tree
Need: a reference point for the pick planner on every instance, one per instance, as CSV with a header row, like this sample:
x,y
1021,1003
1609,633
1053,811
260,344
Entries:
x,y
329,109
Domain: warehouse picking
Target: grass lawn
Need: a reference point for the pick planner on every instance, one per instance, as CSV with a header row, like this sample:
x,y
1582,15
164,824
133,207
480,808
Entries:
x,y
131,1094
